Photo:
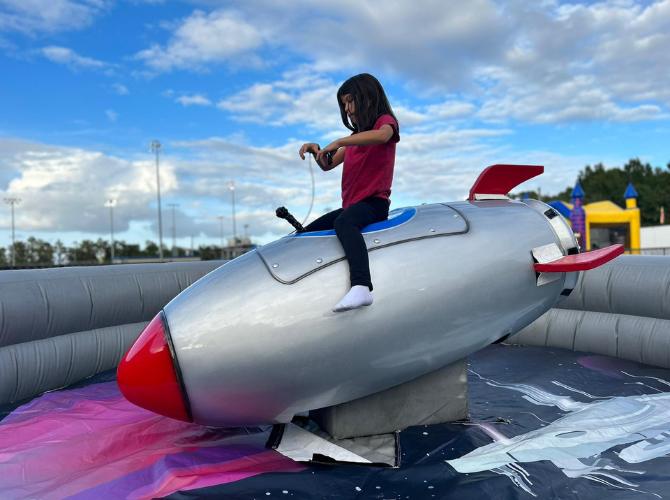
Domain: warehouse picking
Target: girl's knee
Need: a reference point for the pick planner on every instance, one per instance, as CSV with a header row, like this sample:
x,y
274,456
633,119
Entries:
x,y
346,225
342,222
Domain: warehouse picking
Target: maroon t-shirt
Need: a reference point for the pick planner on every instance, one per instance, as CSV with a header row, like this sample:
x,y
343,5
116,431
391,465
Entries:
x,y
368,170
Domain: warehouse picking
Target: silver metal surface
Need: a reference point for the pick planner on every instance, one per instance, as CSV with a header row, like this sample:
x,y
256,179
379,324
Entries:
x,y
296,256
547,253
492,196
566,238
253,349
544,254
544,278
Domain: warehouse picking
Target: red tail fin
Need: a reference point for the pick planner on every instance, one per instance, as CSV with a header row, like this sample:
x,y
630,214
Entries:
x,y
498,180
581,261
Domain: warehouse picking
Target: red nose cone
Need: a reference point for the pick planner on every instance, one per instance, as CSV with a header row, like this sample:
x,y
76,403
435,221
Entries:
x,y
147,375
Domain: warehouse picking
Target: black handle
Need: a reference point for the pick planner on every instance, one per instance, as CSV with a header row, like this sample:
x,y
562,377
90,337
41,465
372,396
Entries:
x,y
328,156
283,213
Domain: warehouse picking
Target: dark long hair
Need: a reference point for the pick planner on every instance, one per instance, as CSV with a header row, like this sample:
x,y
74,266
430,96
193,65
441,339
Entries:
x,y
369,99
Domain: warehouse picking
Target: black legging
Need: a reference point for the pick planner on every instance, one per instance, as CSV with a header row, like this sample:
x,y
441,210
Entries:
x,y
348,223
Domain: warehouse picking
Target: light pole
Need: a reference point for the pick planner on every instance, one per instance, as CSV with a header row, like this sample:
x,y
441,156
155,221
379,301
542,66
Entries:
x,y
156,148
246,226
111,203
220,217
231,186
174,229
11,201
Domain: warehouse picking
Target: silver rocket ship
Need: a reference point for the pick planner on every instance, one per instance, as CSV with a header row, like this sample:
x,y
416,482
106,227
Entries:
x,y
255,341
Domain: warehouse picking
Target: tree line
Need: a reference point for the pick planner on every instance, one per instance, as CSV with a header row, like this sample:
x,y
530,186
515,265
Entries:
x,y
35,252
651,183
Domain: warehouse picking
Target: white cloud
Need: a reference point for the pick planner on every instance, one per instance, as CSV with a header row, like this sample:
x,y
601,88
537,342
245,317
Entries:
x,y
111,115
431,41
194,100
299,97
409,117
68,57
265,177
480,67
64,189
303,97
540,62
202,39
120,89
46,16
450,110
434,166
579,99
575,63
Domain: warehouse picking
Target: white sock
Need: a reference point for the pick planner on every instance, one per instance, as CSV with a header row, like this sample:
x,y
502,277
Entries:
x,y
356,297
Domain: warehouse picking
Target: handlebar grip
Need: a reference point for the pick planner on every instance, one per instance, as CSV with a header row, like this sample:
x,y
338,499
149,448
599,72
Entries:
x,y
283,213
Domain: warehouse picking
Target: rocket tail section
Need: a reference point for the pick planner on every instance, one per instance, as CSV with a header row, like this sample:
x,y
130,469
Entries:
x,y
498,180
581,261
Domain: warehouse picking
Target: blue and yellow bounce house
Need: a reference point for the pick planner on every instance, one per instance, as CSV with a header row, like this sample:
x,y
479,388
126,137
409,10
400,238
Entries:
x,y
602,223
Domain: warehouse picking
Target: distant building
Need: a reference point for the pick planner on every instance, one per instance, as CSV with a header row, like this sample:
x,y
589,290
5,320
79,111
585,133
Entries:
x,y
237,247
656,239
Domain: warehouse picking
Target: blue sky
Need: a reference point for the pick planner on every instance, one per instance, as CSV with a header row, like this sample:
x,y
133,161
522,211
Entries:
x,y
231,89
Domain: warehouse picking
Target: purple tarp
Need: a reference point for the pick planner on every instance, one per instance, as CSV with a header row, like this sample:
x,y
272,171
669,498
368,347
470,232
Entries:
x,y
92,443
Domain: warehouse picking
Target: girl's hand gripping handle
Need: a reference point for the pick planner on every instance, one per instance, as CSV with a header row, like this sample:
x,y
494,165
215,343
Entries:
x,y
309,147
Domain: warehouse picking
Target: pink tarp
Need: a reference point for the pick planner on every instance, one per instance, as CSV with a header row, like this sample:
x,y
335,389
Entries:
x,y
92,443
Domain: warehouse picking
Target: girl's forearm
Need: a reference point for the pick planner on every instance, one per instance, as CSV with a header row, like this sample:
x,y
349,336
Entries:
x,y
368,137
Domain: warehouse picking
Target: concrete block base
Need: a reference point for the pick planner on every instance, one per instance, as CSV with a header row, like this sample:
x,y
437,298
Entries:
x,y
437,397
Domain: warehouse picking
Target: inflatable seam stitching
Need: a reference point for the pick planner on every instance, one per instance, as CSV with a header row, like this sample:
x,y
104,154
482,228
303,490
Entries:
x,y
141,295
47,306
70,367
616,335
2,322
16,374
90,299
99,354
548,329
608,290
577,328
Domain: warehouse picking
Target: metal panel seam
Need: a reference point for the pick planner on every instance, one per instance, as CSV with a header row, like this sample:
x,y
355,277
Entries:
x,y
175,364
378,247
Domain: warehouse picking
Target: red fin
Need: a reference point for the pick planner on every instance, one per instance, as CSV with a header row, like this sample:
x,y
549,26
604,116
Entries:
x,y
501,179
581,261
